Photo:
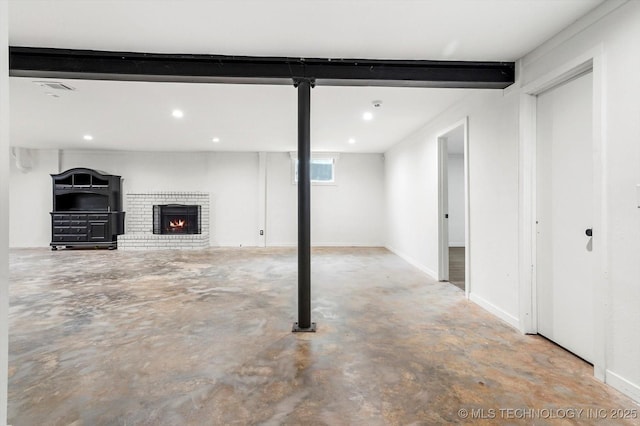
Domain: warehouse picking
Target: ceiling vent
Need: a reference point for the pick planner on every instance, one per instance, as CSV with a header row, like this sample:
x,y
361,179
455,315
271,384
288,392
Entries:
x,y
54,85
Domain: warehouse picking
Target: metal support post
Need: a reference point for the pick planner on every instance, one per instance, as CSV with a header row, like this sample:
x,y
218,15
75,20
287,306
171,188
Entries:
x,y
304,323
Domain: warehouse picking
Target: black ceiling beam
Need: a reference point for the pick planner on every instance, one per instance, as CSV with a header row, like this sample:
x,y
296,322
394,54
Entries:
x,y
127,66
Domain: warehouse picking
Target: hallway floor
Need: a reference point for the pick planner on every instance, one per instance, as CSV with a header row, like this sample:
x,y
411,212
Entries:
x,y
204,337
456,266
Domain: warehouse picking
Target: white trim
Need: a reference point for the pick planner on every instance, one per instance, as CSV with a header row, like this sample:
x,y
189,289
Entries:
x,y
232,245
589,60
623,385
490,307
345,245
282,245
456,244
4,208
443,243
603,291
413,262
563,73
526,208
467,210
443,209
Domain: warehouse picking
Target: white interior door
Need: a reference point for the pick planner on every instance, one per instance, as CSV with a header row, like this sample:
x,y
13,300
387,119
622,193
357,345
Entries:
x,y
565,200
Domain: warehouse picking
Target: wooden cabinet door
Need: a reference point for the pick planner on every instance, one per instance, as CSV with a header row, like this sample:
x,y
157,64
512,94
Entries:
x,y
99,231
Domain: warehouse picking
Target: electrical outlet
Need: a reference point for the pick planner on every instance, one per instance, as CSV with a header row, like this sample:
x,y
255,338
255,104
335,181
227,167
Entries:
x,y
261,232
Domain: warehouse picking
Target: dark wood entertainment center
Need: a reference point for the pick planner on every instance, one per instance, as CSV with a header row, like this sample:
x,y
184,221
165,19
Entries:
x,y
86,209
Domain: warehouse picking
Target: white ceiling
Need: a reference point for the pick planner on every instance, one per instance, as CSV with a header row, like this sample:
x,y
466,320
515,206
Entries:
x,y
137,116
402,29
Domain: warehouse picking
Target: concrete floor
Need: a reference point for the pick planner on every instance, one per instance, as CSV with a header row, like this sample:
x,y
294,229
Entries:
x,y
456,266
203,337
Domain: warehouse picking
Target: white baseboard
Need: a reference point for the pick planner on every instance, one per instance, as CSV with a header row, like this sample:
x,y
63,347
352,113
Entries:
x,y
234,245
503,315
623,385
327,245
347,245
413,262
462,244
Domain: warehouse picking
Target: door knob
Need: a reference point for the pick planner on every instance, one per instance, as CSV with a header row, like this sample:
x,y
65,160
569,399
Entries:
x,y
589,232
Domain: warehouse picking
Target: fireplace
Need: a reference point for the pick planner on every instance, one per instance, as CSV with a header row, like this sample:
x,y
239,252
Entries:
x,y
176,219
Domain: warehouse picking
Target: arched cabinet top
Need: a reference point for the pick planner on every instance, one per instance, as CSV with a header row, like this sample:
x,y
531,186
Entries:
x,y
81,177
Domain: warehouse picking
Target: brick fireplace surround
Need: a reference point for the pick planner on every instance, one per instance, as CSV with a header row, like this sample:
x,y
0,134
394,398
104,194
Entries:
x,y
139,222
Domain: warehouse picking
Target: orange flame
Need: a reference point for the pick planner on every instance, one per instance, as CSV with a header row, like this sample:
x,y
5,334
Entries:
x,y
177,224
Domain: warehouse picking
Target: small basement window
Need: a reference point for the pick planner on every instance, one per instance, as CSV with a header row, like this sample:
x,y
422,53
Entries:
x,y
323,168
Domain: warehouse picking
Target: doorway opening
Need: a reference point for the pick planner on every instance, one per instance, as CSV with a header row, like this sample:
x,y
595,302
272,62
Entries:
x,y
453,206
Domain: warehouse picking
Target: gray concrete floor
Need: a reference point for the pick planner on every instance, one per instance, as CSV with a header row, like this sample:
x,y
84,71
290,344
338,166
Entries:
x,y
203,337
456,266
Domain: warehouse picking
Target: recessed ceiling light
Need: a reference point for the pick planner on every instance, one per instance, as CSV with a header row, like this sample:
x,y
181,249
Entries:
x,y
367,116
177,113
352,141
87,137
215,140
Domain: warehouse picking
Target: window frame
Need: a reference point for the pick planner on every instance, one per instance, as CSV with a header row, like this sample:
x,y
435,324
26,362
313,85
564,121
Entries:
x,y
332,156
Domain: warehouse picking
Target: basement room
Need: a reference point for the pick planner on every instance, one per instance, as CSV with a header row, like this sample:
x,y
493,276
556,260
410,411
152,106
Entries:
x,y
319,212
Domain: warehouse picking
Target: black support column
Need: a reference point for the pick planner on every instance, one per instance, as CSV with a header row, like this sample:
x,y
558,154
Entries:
x,y
304,323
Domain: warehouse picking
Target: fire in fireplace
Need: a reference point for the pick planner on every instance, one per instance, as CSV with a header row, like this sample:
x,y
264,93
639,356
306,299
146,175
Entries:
x,y
176,219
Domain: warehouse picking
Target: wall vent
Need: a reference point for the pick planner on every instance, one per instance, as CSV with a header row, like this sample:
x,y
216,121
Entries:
x,y
54,85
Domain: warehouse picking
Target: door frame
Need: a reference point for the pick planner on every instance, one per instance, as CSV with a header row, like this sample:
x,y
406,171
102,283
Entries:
x,y
443,203
591,60
443,196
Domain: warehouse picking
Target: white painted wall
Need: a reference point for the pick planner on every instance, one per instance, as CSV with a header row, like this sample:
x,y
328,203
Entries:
x,y
30,200
4,208
411,188
455,181
142,171
233,183
282,199
412,198
349,213
230,178
618,35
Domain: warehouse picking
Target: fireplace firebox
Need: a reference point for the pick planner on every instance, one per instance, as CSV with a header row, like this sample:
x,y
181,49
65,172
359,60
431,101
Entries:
x,y
176,219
